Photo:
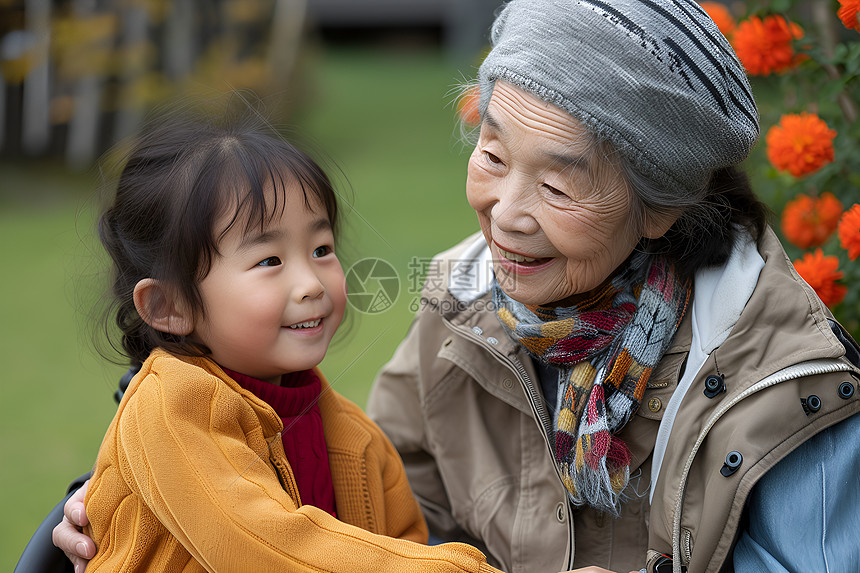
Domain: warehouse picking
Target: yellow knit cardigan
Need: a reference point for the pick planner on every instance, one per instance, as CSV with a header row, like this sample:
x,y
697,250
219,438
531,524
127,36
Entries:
x,y
192,476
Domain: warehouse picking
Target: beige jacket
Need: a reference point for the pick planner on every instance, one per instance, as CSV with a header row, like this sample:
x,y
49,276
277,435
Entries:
x,y
461,402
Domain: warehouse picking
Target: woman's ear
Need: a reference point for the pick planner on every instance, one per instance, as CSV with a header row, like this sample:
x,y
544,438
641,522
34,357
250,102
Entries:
x,y
656,225
161,308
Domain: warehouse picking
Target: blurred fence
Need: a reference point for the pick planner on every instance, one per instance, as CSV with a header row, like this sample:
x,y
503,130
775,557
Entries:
x,y
78,75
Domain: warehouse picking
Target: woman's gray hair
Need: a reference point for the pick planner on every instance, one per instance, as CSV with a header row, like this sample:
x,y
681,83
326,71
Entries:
x,y
709,219
662,90
655,78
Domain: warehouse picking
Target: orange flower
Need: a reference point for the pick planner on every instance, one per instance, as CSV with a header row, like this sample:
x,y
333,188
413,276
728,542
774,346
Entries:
x,y
822,273
721,16
849,13
800,144
764,45
467,106
849,231
808,222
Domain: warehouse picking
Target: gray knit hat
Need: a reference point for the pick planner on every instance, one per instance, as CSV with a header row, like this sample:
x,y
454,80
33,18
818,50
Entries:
x,y
654,77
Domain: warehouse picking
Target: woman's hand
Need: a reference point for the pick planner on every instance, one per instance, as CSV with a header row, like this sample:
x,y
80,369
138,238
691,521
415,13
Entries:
x,y
67,534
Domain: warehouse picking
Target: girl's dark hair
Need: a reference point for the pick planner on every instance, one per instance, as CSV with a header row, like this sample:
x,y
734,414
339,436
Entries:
x,y
183,173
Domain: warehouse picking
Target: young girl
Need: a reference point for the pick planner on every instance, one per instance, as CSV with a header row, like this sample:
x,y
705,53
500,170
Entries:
x,y
229,451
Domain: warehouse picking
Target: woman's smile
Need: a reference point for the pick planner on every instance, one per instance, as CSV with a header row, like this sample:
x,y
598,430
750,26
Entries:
x,y
556,227
520,264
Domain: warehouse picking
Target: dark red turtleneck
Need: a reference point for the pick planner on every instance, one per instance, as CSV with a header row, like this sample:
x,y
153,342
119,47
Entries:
x,y
296,402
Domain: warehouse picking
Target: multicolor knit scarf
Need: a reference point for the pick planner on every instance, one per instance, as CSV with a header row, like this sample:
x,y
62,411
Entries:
x,y
605,345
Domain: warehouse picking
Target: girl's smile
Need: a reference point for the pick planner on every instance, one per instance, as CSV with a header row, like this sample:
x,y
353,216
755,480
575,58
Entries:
x,y
274,296
308,327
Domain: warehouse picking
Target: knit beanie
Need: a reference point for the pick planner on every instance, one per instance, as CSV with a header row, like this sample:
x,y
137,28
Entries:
x,y
654,77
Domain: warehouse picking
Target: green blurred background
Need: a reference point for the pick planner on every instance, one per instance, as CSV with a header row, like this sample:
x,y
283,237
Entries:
x,y
381,111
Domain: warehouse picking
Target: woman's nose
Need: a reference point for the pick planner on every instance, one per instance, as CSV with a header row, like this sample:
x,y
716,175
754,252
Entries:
x,y
513,209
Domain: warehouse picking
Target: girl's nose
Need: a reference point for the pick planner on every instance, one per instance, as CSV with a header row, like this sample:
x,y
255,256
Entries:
x,y
309,287
314,293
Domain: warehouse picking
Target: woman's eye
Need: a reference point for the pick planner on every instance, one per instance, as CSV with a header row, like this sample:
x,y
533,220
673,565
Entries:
x,y
269,262
553,190
492,158
322,251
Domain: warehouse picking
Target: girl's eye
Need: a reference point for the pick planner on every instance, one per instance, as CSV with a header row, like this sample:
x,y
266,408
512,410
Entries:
x,y
269,262
322,251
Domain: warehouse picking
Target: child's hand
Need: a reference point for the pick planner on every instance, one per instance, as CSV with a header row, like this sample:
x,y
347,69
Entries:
x,y
67,534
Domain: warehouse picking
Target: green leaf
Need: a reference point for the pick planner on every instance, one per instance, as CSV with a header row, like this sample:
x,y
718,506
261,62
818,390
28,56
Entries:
x,y
851,60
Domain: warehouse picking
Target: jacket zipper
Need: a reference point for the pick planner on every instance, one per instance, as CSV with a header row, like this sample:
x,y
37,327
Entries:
x,y
811,368
287,481
538,409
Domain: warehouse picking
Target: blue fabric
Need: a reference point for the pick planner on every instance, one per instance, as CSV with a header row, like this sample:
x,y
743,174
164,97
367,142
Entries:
x,y
804,514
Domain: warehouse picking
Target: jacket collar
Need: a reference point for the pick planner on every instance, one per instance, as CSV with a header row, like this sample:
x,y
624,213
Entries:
x,y
721,293
344,434
270,422
472,273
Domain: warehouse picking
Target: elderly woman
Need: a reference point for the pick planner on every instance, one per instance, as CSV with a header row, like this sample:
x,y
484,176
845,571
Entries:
x,y
620,388
623,370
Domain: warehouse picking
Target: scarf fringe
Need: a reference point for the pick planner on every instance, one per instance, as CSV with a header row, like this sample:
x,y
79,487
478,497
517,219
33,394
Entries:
x,y
601,487
597,489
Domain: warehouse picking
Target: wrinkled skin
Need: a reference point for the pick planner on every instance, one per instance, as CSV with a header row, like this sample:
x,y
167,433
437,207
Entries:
x,y
543,191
